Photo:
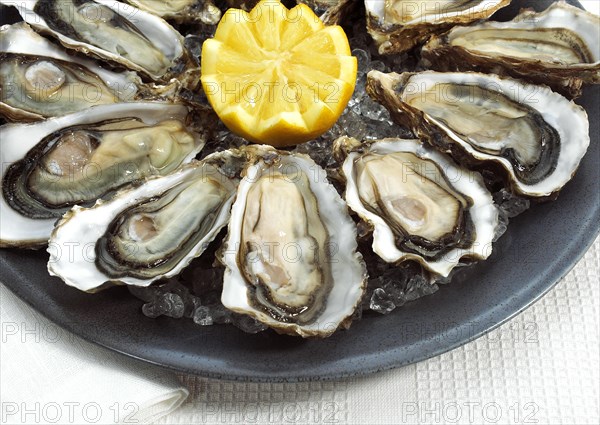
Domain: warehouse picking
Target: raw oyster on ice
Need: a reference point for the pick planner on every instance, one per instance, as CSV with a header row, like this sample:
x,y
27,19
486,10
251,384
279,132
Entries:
x,y
144,233
421,204
291,252
39,79
399,25
110,30
559,47
49,167
530,133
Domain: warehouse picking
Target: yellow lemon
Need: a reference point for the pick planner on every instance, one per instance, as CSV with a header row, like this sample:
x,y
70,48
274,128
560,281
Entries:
x,y
278,76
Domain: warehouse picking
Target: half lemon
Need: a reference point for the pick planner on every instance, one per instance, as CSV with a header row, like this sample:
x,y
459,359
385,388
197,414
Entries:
x,y
278,76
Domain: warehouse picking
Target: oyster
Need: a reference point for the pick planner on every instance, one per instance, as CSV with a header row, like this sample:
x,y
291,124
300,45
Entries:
x,y
110,30
144,233
50,166
40,80
421,204
535,135
181,10
559,47
291,249
399,25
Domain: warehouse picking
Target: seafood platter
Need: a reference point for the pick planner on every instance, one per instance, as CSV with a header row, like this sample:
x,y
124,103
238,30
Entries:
x,y
128,167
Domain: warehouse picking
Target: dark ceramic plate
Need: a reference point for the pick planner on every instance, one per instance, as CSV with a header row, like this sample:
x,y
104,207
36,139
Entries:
x,y
540,247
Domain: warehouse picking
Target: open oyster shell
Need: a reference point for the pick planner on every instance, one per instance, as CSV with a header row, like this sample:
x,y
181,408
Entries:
x,y
421,204
399,25
531,134
39,80
291,252
49,167
181,10
110,30
144,233
559,47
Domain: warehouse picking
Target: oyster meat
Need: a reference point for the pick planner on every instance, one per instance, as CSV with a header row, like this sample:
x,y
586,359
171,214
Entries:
x,y
144,233
110,30
49,167
559,47
421,204
291,252
535,135
181,10
399,25
40,80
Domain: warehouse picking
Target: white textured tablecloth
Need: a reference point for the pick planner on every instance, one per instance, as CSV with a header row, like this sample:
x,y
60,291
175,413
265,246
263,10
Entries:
x,y
48,375
541,367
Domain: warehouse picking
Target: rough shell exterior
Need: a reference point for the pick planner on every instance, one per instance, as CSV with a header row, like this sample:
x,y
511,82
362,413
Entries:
x,y
438,54
396,38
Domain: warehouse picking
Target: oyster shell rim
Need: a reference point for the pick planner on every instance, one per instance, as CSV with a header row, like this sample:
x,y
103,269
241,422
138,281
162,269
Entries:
x,y
485,219
261,155
149,112
20,39
399,38
39,24
125,198
448,58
